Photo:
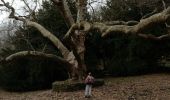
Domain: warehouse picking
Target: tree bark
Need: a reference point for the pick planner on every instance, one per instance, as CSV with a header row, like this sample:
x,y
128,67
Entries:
x,y
36,54
82,10
65,11
78,40
79,37
121,27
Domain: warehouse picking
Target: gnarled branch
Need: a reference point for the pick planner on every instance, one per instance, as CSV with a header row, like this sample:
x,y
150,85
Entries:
x,y
65,11
124,28
138,28
68,56
130,23
152,37
35,54
65,52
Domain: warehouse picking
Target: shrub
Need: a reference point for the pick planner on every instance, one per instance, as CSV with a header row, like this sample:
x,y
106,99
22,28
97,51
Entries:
x,y
24,75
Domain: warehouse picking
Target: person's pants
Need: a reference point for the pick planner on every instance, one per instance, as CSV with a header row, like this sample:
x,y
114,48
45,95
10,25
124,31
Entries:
x,y
88,90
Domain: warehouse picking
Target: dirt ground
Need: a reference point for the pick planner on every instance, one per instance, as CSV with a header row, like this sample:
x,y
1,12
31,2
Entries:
x,y
145,87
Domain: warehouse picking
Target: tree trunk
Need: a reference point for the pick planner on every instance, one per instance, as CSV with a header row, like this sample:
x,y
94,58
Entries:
x,y
78,39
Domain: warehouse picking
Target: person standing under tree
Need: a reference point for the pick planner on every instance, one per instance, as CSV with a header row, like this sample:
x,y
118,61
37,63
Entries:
x,y
88,81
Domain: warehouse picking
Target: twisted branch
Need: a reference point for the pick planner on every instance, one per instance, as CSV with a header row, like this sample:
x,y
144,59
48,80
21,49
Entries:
x,y
35,54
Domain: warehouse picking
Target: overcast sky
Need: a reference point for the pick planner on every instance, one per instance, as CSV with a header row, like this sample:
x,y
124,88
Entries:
x,y
5,21
19,6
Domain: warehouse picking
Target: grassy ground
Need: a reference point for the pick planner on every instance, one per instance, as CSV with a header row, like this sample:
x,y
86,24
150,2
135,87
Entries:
x,y
144,87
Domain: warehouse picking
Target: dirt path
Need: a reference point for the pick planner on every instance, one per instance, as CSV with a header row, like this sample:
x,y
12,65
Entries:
x,y
147,87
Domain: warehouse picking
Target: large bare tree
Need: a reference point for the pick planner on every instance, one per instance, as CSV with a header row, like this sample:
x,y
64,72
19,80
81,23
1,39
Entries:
x,y
74,58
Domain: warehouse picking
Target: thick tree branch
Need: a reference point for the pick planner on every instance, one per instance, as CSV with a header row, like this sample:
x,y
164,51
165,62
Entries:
x,y
65,11
68,56
130,23
35,54
50,36
123,27
82,10
152,37
143,25
86,26
65,52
